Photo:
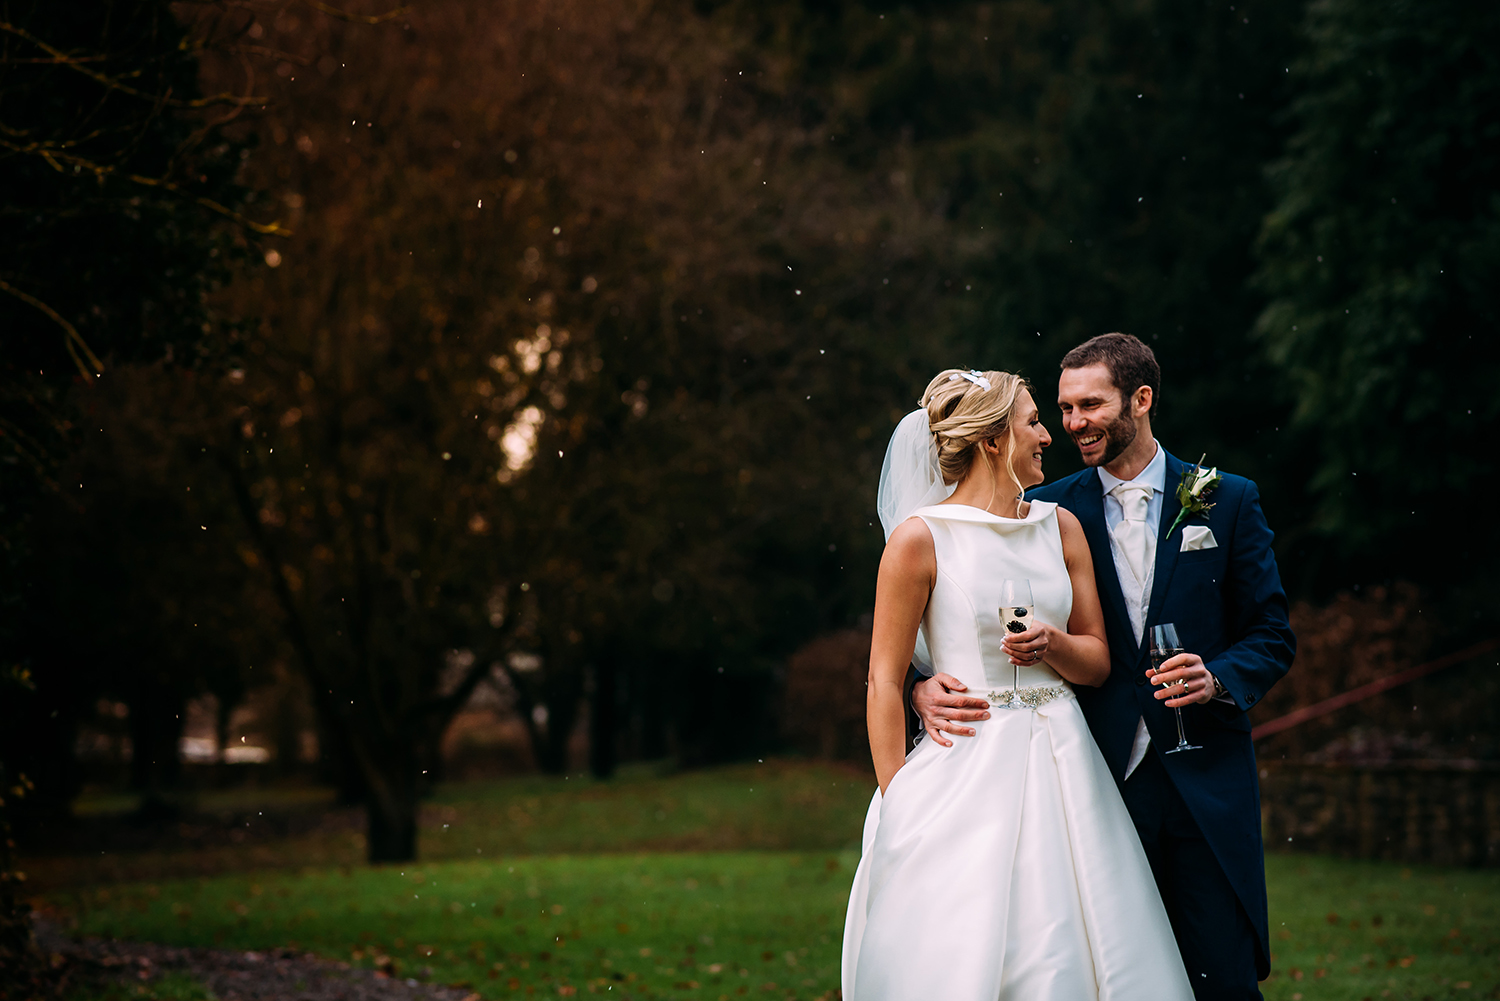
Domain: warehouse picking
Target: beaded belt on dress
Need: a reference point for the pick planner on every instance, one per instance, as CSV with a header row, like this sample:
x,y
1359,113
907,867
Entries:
x,y
1027,698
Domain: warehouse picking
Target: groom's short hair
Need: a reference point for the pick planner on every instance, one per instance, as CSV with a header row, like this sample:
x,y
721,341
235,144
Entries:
x,y
1130,362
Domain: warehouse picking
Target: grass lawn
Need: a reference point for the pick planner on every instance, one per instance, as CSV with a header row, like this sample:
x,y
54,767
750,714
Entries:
x,y
687,925
572,888
1342,929
777,805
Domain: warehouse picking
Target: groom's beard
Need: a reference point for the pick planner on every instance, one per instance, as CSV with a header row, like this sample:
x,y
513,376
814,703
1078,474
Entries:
x,y
1119,434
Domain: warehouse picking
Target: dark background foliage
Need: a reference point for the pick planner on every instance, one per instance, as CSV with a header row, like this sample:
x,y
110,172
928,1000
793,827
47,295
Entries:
x,y
571,370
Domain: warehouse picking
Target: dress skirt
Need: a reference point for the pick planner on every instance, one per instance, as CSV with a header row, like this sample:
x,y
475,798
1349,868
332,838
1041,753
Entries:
x,y
1007,867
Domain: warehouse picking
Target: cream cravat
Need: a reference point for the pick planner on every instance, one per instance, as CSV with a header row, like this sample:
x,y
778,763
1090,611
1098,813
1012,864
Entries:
x,y
1132,533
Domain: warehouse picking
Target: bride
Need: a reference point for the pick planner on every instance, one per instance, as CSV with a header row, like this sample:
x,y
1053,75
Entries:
x,y
1003,866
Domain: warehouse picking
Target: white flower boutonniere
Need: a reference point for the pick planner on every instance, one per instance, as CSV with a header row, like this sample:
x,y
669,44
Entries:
x,y
1192,493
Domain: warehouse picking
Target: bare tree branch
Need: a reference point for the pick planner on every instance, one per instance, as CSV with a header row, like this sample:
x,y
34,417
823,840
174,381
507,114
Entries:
x,y
356,18
64,59
73,339
444,706
57,158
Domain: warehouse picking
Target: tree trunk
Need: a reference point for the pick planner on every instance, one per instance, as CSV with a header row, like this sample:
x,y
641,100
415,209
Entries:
x,y
651,697
387,762
338,766
562,713
392,827
286,725
603,752
155,730
222,713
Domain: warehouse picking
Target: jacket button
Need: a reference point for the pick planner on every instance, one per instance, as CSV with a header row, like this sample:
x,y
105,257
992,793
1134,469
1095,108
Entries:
x,y
1140,679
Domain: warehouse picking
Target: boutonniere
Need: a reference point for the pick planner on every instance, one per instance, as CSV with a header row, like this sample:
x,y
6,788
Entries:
x,y
1192,493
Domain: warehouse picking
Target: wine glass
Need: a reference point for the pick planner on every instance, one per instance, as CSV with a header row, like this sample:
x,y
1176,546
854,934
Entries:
x,y
1015,614
1165,646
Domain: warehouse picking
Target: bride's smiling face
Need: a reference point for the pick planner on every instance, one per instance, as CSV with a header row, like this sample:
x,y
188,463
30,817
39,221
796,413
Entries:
x,y
1029,436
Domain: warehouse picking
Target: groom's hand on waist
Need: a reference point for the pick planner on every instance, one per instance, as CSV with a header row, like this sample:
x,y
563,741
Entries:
x,y
941,704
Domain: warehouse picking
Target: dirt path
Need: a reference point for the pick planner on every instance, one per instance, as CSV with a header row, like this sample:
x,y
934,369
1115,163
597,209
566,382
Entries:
x,y
277,975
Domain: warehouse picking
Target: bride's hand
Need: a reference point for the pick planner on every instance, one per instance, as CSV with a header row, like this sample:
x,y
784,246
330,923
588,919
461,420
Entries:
x,y
1029,648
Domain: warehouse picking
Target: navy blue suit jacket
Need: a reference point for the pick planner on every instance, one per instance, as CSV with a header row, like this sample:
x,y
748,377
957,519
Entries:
x,y
1229,608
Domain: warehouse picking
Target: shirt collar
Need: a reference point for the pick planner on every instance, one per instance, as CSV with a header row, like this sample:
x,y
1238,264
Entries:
x,y
1153,476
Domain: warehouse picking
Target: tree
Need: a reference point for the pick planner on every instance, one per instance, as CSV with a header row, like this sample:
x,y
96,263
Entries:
x,y
539,380
114,180
137,599
1100,168
122,213
1378,262
116,170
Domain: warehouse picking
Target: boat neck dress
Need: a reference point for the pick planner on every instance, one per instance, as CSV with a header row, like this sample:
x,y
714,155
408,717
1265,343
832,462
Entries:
x,y
1005,866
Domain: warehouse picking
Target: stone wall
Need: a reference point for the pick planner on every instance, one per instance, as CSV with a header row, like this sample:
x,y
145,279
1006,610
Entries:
x,y
1439,813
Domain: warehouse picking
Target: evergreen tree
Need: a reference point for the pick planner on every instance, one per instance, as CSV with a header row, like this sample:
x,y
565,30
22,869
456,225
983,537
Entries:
x,y
1379,260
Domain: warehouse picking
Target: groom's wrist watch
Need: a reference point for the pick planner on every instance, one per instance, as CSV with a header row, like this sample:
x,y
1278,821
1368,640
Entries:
x,y
1219,690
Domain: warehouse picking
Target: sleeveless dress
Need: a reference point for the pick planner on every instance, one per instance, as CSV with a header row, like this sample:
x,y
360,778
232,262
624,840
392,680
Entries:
x,y
1005,866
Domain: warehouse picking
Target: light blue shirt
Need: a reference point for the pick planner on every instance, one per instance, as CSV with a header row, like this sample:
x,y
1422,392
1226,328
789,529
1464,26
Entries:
x,y
1153,476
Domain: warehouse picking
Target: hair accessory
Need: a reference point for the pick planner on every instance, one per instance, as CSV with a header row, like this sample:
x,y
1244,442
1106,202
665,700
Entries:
x,y
973,376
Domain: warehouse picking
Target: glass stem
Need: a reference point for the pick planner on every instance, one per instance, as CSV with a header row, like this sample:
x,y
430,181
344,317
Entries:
x,y
1181,737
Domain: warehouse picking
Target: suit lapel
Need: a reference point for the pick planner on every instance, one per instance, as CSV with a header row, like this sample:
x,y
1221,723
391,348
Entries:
x,y
1167,547
1088,505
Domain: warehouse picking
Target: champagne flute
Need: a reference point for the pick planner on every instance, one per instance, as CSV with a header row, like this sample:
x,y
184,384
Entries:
x,y
1165,646
1015,614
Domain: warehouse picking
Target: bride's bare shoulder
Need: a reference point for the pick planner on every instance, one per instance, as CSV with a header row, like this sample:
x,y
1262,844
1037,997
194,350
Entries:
x,y
911,541
912,531
1068,522
1075,544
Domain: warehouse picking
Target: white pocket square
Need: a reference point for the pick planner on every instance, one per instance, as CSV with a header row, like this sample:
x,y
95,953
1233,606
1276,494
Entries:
x,y
1198,537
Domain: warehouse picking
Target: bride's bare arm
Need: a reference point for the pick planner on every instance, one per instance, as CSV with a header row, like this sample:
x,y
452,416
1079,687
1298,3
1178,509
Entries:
x,y
1081,653
908,570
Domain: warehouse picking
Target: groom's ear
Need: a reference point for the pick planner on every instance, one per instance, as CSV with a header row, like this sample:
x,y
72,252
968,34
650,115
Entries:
x,y
1141,401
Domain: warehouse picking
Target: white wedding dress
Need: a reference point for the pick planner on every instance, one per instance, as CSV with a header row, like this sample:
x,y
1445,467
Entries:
x,y
1005,866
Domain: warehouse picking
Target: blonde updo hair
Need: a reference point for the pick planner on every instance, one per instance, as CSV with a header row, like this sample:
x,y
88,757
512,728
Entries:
x,y
962,413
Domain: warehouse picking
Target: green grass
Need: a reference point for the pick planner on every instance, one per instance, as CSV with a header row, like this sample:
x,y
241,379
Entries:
x,y
775,805
704,925
1344,930
687,925
549,885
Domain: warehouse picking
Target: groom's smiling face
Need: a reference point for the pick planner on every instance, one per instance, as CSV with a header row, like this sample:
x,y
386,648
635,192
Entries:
x,y
1094,414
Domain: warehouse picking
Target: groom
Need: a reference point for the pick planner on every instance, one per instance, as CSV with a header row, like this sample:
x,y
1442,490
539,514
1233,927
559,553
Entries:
x,y
1214,576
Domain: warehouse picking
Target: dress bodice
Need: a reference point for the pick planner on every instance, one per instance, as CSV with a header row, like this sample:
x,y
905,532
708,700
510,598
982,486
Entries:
x,y
975,552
